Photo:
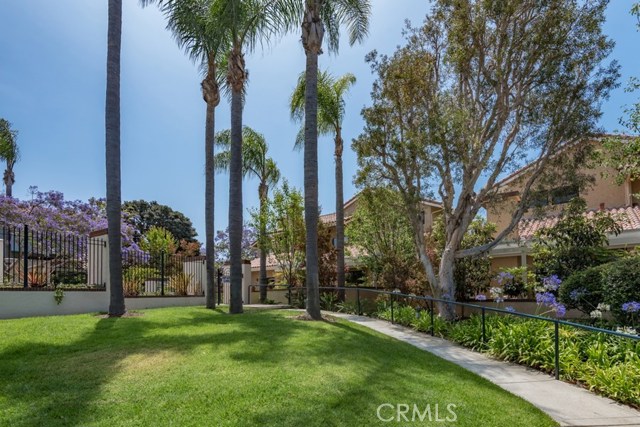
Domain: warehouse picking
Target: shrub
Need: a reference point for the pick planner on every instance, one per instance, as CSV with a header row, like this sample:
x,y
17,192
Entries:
x,y
134,277
621,285
584,289
179,283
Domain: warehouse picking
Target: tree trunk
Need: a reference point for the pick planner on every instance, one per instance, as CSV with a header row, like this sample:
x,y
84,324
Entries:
x,y
9,180
112,133
262,193
236,80
339,215
445,288
211,96
209,197
312,34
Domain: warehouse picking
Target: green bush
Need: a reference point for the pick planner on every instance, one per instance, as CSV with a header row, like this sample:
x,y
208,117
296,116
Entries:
x,y
584,289
622,284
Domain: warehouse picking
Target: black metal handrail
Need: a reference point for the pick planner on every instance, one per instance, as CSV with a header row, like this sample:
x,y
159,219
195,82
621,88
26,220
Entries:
x,y
483,309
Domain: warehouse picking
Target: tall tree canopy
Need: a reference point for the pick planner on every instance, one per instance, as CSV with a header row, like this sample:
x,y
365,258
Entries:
x,y
482,88
143,215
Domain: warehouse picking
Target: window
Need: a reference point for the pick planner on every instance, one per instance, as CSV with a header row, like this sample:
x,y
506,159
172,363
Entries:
x,y
564,194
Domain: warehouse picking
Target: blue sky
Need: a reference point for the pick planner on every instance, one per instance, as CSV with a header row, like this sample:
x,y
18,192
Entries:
x,y
52,85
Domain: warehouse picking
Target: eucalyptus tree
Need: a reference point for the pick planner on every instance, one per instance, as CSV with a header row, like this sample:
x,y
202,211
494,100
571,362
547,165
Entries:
x,y
256,163
112,149
194,24
10,153
477,92
318,15
331,110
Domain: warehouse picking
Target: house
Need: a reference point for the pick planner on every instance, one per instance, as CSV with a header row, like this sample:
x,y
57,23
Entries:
x,y
603,195
431,209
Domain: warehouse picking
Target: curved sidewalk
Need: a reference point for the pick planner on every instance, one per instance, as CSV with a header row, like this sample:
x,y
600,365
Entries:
x,y
566,403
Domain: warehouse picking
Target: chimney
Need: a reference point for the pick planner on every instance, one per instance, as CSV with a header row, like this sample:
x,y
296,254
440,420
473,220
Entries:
x,y
601,206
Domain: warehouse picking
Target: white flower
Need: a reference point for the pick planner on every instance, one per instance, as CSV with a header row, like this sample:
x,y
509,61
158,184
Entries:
x,y
596,314
604,307
626,330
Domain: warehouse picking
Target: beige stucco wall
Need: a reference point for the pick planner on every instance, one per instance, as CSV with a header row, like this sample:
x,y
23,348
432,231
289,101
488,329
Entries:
x,y
157,302
41,303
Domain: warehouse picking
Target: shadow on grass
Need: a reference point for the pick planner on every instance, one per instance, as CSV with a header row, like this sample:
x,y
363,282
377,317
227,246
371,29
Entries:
x,y
56,384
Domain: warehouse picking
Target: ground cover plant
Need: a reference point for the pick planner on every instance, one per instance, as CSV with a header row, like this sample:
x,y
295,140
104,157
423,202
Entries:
x,y
191,366
603,363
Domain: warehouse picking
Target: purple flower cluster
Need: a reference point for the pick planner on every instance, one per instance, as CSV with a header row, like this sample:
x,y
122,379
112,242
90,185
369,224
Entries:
x,y
631,307
551,283
249,237
576,294
548,299
481,297
503,276
510,309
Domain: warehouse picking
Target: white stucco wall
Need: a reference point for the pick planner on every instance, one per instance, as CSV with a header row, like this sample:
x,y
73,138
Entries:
x,y
41,303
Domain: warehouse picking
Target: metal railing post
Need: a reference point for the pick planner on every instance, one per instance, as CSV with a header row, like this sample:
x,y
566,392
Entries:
x,y
219,286
25,257
358,298
392,299
289,294
433,332
484,328
162,273
557,349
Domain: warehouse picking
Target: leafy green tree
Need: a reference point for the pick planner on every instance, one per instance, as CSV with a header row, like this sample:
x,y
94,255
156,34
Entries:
x,y
112,142
257,164
331,110
318,16
575,243
143,215
384,242
159,240
477,92
10,153
286,232
194,27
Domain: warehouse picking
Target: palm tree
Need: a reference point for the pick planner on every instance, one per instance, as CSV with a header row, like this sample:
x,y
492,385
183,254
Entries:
x,y
112,134
331,92
255,163
193,25
9,153
247,22
354,14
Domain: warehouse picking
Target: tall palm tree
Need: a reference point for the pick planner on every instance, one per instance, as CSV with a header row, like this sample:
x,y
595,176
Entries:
x,y
255,163
331,93
354,14
9,153
247,22
193,25
112,134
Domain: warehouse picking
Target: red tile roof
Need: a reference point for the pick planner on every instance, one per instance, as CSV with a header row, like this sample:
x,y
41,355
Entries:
x,y
628,217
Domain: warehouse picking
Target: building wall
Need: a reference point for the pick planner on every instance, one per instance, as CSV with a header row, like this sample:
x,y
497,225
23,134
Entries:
x,y
604,190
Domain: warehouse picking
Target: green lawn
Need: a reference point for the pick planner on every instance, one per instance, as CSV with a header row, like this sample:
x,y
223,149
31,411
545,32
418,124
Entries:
x,y
190,366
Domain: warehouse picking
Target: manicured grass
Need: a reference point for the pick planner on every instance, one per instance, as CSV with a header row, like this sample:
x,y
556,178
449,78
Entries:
x,y
190,366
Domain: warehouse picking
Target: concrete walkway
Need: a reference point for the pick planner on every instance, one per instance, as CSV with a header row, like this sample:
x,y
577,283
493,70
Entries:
x,y
568,404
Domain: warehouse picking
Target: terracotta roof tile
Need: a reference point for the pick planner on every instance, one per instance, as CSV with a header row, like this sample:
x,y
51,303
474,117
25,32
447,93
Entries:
x,y
628,217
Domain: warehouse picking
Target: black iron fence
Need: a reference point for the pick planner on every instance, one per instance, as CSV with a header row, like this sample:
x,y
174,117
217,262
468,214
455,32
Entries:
x,y
45,260
161,274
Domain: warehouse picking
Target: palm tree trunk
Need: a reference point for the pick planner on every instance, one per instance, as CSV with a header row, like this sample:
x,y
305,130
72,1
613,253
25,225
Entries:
x,y
9,179
211,95
339,215
209,197
112,131
237,78
311,186
312,34
262,193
